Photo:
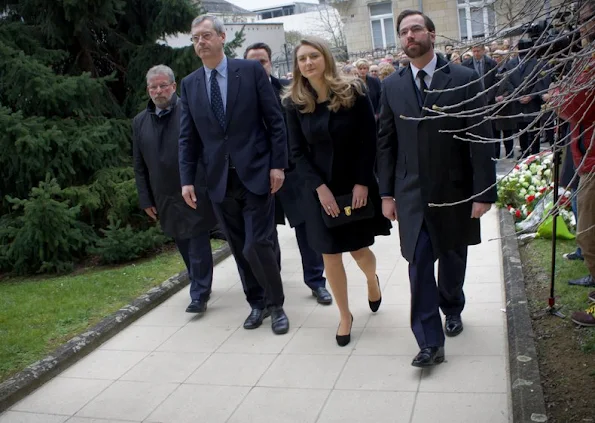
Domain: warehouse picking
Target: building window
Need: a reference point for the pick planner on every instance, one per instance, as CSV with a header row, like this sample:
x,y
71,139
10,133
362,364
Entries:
x,y
382,23
477,19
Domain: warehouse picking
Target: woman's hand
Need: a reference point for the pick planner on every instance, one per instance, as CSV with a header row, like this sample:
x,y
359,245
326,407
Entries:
x,y
327,200
360,196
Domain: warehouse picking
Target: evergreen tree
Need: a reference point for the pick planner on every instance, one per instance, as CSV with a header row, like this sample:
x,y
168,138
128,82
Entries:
x,y
71,78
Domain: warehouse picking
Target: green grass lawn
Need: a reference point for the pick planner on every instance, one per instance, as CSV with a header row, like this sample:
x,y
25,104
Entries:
x,y
39,314
538,255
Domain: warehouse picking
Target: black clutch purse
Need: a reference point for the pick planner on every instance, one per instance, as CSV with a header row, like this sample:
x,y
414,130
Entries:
x,y
347,213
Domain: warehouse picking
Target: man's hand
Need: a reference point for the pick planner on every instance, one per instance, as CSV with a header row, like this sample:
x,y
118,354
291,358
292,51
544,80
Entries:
x,y
479,209
152,212
189,195
525,99
360,196
277,178
389,209
500,99
327,201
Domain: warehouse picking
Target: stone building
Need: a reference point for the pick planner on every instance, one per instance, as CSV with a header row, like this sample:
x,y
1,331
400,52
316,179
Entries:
x,y
371,24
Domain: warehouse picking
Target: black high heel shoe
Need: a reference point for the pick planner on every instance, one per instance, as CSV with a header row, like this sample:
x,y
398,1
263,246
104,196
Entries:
x,y
375,305
343,340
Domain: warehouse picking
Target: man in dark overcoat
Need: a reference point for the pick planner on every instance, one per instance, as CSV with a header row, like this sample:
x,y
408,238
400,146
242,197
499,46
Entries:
x,y
486,69
418,165
287,199
155,147
526,73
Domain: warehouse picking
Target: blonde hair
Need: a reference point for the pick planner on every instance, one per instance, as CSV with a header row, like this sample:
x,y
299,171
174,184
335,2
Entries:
x,y
385,71
343,89
361,62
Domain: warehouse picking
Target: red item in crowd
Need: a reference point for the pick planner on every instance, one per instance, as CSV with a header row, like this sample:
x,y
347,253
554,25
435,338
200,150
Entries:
x,y
577,106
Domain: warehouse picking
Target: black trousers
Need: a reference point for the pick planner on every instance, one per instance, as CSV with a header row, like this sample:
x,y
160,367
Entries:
x,y
198,259
248,222
427,298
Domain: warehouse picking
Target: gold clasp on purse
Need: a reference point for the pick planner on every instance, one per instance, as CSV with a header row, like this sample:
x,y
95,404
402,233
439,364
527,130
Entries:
x,y
347,210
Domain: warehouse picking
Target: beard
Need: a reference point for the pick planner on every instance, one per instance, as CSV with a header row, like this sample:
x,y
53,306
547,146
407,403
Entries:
x,y
419,49
161,101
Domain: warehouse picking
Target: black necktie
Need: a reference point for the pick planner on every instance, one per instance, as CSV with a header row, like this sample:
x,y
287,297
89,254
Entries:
x,y
479,67
216,100
422,85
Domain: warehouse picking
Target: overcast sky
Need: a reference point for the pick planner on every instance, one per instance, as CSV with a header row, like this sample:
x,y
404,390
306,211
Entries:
x,y
261,4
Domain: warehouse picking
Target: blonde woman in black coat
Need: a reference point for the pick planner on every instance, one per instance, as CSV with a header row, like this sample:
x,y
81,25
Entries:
x,y
332,138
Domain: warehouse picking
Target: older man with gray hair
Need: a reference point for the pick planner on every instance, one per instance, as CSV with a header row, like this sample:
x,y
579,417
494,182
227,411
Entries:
x,y
155,146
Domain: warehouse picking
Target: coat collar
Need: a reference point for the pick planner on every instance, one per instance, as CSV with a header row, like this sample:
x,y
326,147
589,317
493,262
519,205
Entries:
x,y
173,104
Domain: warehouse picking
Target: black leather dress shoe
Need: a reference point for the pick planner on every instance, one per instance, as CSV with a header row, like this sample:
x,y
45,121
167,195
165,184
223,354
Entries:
x,y
586,281
197,306
322,296
375,305
453,325
279,320
428,357
256,317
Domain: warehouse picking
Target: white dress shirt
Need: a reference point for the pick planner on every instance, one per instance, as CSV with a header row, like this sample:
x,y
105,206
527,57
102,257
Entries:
x,y
430,68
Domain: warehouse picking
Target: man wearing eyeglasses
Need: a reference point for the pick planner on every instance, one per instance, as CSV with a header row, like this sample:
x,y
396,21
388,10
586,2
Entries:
x,y
232,123
419,164
155,147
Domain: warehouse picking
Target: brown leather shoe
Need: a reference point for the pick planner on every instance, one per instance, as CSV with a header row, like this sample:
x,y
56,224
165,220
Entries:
x,y
584,318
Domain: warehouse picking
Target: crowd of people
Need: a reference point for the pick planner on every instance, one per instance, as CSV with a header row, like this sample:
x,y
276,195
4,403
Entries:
x,y
339,155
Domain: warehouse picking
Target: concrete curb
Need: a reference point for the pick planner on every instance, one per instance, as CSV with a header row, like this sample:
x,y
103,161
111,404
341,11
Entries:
x,y
528,404
35,375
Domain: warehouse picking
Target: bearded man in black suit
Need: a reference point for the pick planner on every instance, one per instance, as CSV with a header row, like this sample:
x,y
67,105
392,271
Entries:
x,y
418,165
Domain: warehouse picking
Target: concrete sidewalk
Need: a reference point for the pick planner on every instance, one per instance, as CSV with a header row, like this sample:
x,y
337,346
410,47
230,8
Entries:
x,y
170,367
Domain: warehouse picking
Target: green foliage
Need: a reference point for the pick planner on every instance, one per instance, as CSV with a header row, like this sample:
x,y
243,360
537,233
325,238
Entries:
x,y
72,76
46,236
121,244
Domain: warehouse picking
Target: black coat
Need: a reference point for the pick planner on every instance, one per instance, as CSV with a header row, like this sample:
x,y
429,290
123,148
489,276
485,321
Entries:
x,y
156,169
287,199
505,89
418,164
536,83
337,149
489,75
374,89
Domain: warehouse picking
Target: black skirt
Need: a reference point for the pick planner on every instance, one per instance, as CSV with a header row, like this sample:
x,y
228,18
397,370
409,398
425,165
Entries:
x,y
349,237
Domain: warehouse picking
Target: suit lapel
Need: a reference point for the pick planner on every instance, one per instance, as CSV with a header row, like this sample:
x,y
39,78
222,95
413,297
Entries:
x,y
233,87
440,80
409,91
203,96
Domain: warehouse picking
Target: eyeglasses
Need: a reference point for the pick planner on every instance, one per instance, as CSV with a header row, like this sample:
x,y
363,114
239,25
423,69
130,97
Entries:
x,y
206,36
161,87
415,29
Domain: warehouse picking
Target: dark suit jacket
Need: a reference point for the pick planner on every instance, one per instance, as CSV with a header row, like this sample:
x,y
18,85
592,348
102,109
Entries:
x,y
287,199
156,170
489,75
374,89
505,89
254,137
535,82
418,164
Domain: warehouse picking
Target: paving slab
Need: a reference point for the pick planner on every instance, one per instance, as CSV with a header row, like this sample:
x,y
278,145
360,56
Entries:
x,y
173,367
